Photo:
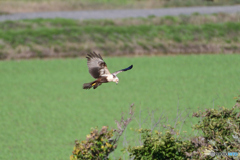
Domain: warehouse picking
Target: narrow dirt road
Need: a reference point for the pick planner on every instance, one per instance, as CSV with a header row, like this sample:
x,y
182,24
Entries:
x,y
111,14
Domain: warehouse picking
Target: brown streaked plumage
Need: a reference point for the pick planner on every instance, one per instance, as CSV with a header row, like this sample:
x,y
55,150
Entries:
x,y
98,70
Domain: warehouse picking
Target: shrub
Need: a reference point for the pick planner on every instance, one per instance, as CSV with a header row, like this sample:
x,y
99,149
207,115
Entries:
x,y
99,144
220,133
220,128
160,146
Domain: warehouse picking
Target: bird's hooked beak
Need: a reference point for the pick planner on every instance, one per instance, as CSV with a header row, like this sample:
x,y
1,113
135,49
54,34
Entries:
x,y
116,81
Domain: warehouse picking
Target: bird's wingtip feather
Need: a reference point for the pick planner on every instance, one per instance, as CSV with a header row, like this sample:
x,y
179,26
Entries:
x,y
130,67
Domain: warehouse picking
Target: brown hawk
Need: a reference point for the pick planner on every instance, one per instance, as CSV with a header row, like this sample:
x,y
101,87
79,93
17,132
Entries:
x,y
98,69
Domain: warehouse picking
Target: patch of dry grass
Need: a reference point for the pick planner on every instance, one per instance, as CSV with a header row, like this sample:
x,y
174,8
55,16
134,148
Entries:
x,y
15,6
51,5
138,48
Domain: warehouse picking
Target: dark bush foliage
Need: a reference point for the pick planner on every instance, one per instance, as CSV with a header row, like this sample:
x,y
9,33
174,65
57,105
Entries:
x,y
160,146
220,134
99,144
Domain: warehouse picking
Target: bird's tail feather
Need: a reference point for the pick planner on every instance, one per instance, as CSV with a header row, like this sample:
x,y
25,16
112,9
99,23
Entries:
x,y
93,84
88,85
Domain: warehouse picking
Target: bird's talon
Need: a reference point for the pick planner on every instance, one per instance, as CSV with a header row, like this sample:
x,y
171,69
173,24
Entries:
x,y
93,84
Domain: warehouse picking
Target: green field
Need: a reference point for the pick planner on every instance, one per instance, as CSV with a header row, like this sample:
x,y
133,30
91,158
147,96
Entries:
x,y
44,108
217,33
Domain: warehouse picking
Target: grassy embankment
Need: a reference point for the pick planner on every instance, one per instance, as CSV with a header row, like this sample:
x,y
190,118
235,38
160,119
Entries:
x,y
217,33
14,6
44,108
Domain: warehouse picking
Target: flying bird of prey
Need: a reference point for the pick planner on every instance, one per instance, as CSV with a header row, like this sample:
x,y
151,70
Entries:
x,y
98,69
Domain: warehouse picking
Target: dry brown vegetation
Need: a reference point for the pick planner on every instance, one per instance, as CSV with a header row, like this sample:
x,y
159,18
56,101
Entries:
x,y
43,6
15,6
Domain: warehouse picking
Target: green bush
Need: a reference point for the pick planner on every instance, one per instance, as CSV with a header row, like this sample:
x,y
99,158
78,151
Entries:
x,y
98,145
220,133
220,128
160,146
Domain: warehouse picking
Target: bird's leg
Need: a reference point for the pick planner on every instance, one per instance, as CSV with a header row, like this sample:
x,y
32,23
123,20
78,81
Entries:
x,y
93,84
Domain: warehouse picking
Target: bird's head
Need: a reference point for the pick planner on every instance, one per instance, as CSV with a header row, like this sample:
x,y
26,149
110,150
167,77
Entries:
x,y
116,80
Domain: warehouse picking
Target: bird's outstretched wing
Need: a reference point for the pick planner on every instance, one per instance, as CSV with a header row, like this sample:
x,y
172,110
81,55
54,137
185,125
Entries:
x,y
128,68
97,67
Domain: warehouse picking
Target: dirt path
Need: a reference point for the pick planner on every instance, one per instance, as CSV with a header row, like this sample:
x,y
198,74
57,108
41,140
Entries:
x,y
111,14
